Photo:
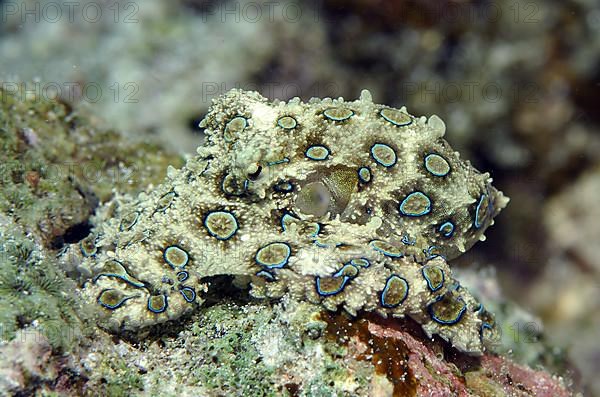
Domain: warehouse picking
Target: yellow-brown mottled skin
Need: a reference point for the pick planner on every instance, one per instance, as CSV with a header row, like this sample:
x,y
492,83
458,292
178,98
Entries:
x,y
338,203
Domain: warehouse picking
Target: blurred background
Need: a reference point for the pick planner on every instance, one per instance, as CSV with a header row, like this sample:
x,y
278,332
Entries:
x,y
517,83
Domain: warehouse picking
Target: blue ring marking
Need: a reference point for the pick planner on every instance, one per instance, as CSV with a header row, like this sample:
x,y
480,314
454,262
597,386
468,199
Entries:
x,y
131,282
223,213
443,322
312,148
84,251
182,276
360,262
187,298
285,217
454,286
479,222
164,305
230,134
172,194
337,291
319,244
232,194
447,225
340,273
287,127
327,113
118,304
483,327
283,187
176,247
425,211
431,255
380,161
120,276
391,120
316,232
387,287
432,287
364,178
279,264
283,160
266,275
384,252
407,241
128,225
428,167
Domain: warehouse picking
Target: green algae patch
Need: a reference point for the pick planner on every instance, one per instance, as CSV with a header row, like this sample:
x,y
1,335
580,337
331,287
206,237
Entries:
x,y
118,379
57,165
251,349
33,292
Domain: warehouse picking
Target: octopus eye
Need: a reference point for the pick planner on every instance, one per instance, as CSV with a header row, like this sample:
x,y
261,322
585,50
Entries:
x,y
254,172
314,199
